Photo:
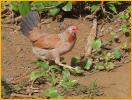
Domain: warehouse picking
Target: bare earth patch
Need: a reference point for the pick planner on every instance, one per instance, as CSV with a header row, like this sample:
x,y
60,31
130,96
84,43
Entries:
x,y
17,58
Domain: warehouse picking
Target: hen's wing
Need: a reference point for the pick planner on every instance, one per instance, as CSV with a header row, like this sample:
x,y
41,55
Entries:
x,y
47,41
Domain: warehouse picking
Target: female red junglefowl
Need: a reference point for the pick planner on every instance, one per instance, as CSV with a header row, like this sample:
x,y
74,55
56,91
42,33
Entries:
x,y
48,46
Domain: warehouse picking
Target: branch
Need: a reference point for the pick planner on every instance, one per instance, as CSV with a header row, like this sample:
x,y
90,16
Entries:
x,y
91,38
15,95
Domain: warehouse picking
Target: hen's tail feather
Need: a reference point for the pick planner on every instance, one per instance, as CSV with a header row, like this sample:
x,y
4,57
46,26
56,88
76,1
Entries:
x,y
29,22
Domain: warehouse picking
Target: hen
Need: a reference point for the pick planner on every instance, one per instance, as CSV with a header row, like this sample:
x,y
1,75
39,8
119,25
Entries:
x,y
48,46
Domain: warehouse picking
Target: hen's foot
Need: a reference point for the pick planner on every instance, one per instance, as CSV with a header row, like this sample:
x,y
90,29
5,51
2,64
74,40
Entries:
x,y
67,66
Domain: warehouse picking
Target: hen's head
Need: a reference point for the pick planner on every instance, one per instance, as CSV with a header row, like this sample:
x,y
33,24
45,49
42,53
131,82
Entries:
x,y
72,29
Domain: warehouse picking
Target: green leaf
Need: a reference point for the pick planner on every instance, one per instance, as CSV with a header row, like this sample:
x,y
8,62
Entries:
x,y
124,45
114,2
39,6
96,44
87,64
78,70
36,74
24,8
128,10
124,28
68,84
54,67
113,34
42,64
52,93
14,6
74,60
66,74
67,7
109,66
94,7
100,66
112,7
54,11
117,53
107,56
53,79
46,4
124,16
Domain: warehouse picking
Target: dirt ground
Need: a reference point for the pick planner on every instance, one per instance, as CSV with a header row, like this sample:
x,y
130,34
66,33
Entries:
x,y
17,58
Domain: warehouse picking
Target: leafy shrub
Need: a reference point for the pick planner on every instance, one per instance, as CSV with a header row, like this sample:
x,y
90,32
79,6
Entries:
x,y
52,8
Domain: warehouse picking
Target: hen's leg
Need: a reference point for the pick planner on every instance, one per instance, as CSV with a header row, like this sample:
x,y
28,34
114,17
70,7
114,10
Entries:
x,y
56,57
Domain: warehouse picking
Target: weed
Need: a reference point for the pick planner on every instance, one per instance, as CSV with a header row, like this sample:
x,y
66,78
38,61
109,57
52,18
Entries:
x,y
90,90
52,93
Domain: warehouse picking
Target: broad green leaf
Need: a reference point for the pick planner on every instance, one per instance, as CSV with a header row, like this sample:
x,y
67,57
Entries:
x,y
94,7
100,66
38,6
74,60
67,7
24,8
14,6
124,28
42,64
52,93
117,53
96,44
54,11
87,64
112,7
36,74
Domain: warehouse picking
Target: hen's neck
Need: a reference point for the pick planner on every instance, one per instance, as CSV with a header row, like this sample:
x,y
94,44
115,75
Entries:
x,y
70,37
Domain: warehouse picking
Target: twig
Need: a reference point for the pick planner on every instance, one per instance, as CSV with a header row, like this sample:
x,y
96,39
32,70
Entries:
x,y
17,28
24,76
45,22
22,96
93,15
100,29
12,20
106,12
5,13
90,38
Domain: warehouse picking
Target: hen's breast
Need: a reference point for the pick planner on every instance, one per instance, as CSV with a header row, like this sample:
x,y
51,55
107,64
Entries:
x,y
64,47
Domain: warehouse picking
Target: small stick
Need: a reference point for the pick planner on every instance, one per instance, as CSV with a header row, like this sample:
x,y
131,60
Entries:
x,y
22,96
91,38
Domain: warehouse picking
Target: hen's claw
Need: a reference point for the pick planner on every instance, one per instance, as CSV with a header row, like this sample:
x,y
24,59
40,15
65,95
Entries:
x,y
67,66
